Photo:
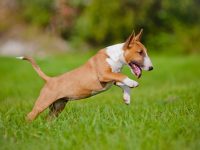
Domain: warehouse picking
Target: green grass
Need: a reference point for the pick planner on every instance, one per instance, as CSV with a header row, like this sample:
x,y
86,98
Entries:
x,y
164,111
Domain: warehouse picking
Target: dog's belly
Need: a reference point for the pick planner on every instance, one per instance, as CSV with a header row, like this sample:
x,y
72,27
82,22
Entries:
x,y
85,93
106,87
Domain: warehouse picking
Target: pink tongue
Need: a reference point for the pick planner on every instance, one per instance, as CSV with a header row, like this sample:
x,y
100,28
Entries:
x,y
136,70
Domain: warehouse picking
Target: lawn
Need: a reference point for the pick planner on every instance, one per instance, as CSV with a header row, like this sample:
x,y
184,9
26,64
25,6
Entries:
x,y
164,112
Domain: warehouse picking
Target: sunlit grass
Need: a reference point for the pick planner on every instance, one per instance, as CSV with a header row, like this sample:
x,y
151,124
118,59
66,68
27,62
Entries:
x,y
164,112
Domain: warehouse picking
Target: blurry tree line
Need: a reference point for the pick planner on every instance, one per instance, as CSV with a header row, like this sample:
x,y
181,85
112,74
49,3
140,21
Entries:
x,y
168,25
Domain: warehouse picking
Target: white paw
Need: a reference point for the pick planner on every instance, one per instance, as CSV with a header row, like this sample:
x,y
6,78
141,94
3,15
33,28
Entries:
x,y
127,99
130,83
127,102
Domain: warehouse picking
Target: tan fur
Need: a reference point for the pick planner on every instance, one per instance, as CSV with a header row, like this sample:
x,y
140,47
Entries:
x,y
136,52
76,84
92,77
134,49
37,68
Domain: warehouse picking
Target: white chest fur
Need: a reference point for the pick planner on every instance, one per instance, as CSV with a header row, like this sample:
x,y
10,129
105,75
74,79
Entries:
x,y
116,57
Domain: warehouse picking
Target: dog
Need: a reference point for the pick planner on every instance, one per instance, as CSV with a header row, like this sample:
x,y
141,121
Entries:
x,y
98,74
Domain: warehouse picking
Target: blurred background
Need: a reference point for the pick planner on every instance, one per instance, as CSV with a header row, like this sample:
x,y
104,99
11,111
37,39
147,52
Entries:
x,y
63,34
42,27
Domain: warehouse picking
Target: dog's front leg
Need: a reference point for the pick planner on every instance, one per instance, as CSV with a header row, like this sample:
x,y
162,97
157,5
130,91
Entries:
x,y
118,77
126,92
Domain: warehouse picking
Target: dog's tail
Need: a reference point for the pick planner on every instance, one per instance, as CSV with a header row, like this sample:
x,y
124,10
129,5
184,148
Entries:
x,y
36,67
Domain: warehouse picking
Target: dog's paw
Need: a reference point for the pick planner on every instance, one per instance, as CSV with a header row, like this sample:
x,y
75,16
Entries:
x,y
130,83
127,99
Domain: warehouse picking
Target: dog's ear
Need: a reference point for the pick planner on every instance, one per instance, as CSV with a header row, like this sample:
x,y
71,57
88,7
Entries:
x,y
128,42
139,35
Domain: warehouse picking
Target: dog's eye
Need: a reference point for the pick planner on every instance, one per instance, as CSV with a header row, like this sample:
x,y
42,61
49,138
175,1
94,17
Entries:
x,y
140,52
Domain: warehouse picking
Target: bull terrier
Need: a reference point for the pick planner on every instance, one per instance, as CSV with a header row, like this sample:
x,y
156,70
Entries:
x,y
98,74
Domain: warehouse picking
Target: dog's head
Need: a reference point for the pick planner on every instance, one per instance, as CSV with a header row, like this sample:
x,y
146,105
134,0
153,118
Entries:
x,y
135,54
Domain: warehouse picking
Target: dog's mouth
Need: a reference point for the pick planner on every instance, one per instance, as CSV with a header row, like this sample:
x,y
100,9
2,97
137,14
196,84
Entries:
x,y
135,69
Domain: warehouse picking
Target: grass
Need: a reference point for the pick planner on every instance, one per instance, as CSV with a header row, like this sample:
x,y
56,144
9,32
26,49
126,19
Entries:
x,y
164,111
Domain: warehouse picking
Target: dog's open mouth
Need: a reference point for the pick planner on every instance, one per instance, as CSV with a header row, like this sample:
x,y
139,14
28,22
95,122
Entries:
x,y
135,69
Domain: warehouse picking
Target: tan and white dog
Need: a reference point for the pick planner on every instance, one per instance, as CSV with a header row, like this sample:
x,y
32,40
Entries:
x,y
95,76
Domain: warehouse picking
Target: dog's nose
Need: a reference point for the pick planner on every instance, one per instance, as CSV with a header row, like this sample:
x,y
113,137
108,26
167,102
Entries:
x,y
150,68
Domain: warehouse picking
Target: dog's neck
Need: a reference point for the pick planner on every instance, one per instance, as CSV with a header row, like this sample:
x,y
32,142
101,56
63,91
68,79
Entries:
x,y
116,53
116,57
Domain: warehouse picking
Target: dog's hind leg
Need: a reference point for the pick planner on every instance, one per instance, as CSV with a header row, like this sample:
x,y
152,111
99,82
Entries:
x,y
45,99
56,108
